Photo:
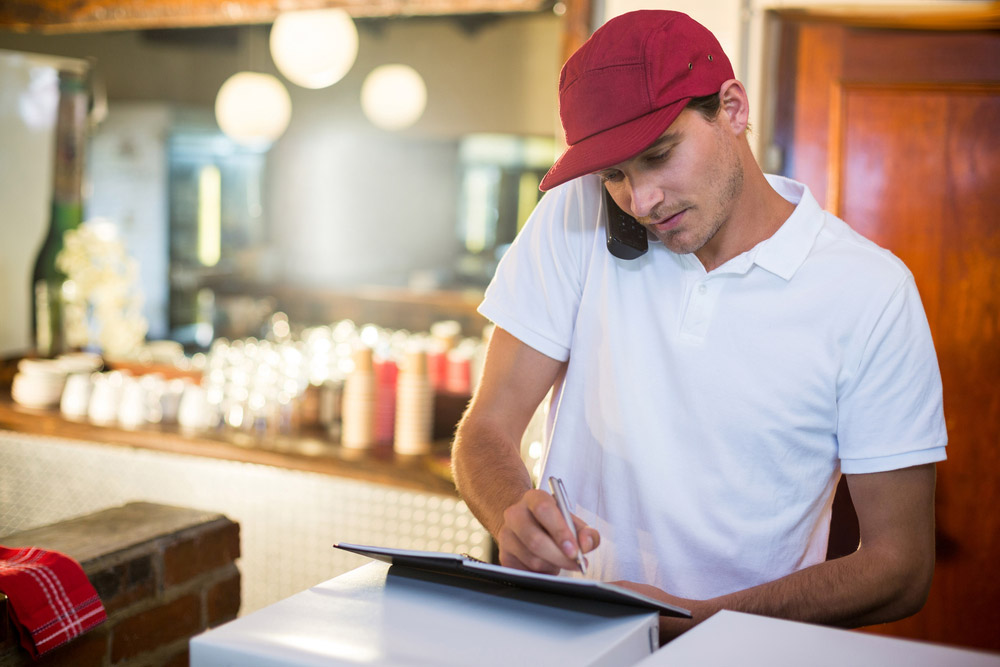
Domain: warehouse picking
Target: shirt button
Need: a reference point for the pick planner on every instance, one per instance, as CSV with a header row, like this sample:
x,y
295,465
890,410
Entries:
x,y
702,288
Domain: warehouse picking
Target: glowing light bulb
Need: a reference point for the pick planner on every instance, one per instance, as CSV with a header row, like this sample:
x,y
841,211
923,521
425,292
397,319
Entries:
x,y
393,96
314,48
253,108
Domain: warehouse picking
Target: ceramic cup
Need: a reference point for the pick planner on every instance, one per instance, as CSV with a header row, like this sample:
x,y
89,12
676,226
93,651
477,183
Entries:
x,y
76,396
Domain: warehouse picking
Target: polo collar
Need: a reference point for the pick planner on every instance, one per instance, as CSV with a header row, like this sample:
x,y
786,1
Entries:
x,y
787,249
784,252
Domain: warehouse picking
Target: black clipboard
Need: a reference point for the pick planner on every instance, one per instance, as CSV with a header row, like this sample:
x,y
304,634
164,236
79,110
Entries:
x,y
467,566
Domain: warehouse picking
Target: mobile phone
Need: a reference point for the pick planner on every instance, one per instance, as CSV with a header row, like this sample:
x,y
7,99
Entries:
x,y
626,236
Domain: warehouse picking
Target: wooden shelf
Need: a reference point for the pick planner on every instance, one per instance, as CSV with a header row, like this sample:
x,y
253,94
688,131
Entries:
x,y
308,451
56,16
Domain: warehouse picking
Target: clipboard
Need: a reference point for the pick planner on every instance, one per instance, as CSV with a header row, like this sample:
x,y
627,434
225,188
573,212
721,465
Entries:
x,y
467,566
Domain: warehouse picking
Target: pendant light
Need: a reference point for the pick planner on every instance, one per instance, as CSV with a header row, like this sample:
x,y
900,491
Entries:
x,y
253,108
314,48
393,96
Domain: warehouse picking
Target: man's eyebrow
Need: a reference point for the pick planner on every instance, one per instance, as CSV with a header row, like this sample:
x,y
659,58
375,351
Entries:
x,y
669,138
665,139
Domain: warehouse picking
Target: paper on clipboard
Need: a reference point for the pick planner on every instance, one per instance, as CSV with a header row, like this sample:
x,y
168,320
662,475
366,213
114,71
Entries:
x,y
461,565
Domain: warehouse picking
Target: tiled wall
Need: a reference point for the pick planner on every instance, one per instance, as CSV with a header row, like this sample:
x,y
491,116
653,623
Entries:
x,y
288,520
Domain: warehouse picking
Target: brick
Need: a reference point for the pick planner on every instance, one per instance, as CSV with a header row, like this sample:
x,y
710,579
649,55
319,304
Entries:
x,y
181,659
156,627
222,600
88,649
108,583
125,583
94,537
215,546
83,651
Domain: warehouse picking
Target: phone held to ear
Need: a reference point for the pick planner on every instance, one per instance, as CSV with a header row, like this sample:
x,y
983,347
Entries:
x,y
626,236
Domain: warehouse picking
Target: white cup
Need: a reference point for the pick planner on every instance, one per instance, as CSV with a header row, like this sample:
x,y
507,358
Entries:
x,y
170,400
76,396
104,398
132,404
194,411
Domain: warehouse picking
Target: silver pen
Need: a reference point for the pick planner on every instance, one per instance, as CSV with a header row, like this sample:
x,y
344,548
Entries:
x,y
559,492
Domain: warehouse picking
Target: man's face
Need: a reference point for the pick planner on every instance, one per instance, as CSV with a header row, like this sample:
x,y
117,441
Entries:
x,y
683,187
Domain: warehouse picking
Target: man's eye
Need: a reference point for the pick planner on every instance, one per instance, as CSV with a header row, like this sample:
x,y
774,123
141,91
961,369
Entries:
x,y
659,157
610,176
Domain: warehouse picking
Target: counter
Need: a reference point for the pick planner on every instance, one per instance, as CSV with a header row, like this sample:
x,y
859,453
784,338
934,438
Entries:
x,y
308,451
294,497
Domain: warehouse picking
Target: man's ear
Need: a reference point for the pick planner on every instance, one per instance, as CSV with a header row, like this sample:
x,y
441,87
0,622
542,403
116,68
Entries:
x,y
735,105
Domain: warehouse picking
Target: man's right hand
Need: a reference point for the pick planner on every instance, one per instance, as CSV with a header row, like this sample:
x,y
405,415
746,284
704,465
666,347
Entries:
x,y
535,537
491,476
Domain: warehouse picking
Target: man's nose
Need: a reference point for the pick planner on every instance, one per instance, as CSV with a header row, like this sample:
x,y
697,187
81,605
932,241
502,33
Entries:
x,y
644,196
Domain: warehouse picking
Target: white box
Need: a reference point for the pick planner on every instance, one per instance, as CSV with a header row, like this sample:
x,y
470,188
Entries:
x,y
732,638
375,615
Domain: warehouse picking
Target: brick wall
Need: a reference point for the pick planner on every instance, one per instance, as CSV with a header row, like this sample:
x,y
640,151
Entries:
x,y
163,573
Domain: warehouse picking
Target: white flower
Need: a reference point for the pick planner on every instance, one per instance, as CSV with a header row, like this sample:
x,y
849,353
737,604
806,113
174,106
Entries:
x,y
104,284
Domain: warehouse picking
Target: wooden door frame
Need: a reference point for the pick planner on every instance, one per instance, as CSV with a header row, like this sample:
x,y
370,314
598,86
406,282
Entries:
x,y
967,16
976,15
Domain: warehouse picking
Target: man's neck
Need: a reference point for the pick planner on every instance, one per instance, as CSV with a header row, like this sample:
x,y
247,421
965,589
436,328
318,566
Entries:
x,y
759,213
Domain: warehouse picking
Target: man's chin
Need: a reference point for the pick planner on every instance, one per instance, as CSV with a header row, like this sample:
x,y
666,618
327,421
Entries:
x,y
677,243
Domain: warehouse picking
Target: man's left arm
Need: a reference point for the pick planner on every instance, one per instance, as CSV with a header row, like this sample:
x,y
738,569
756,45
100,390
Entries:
x,y
886,579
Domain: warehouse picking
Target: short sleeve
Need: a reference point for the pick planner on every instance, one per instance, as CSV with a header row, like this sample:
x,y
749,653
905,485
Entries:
x,y
890,410
535,293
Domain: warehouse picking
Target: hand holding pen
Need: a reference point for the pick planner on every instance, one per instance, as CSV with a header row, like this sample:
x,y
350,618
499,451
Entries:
x,y
562,501
539,534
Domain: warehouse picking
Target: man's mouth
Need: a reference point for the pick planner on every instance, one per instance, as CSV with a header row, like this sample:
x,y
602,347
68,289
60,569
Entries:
x,y
668,223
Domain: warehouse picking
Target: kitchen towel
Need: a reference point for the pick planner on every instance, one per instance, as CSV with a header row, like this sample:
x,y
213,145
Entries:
x,y
51,601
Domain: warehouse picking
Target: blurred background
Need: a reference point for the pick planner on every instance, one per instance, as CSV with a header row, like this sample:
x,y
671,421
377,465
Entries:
x,y
335,202
285,213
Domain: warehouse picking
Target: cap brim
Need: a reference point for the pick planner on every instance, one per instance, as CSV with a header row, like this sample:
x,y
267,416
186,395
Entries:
x,y
611,146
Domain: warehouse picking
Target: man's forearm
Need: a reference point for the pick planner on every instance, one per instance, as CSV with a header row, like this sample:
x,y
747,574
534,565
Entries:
x,y
864,588
886,579
486,454
488,471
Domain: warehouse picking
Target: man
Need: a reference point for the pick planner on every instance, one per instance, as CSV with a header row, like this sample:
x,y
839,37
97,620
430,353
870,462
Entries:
x,y
707,395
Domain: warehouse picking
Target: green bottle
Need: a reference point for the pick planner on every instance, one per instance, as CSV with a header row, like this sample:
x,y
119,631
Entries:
x,y
47,282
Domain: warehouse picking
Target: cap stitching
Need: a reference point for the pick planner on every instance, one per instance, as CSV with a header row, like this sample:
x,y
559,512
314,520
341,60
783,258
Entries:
x,y
632,65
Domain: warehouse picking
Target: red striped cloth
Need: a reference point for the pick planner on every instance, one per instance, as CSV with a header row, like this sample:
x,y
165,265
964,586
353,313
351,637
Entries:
x,y
50,598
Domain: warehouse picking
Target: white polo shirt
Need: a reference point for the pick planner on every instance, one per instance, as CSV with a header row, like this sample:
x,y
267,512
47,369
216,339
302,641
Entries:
x,y
705,418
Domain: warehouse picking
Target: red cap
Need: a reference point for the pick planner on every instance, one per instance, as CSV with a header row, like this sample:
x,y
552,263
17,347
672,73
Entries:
x,y
624,87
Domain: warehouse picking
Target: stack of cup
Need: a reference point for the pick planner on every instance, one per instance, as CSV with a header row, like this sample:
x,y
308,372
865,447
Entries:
x,y
437,362
458,371
358,406
330,404
386,374
39,383
444,336
414,405
80,362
